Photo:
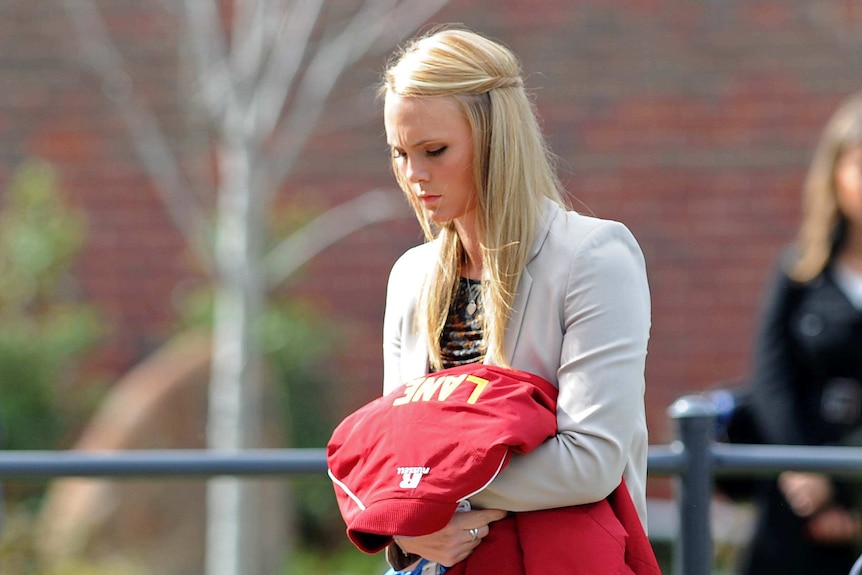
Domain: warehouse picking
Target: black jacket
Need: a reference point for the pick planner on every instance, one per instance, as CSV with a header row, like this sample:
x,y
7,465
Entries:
x,y
806,390
807,380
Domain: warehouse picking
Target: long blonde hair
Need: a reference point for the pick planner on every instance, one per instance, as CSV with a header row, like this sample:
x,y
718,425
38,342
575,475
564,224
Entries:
x,y
822,221
512,169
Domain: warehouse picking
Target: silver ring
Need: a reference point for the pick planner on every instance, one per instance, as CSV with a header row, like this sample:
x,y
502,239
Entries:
x,y
474,533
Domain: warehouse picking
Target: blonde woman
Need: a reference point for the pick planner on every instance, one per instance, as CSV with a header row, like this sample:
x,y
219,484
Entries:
x,y
807,381
510,277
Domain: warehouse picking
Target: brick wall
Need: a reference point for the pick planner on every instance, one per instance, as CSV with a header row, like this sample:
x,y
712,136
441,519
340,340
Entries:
x,y
690,121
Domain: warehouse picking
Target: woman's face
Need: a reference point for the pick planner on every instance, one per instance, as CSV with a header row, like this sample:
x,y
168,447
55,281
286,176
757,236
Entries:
x,y
432,149
848,185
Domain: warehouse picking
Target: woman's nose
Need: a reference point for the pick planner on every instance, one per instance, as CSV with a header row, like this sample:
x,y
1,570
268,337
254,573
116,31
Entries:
x,y
416,172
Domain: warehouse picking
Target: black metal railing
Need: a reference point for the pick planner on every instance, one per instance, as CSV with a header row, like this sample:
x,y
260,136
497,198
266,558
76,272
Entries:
x,y
695,460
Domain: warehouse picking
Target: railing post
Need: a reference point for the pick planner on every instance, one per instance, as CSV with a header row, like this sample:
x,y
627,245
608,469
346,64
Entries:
x,y
695,419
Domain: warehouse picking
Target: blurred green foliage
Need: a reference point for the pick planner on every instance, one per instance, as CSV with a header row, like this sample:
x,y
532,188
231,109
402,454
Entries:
x,y
342,560
18,556
44,331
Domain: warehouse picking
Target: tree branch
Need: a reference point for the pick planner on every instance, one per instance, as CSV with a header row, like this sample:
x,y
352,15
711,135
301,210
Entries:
x,y
288,51
320,76
210,50
248,40
327,65
106,62
334,224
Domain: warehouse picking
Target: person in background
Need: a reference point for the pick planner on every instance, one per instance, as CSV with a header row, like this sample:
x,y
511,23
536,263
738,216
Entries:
x,y
807,374
511,277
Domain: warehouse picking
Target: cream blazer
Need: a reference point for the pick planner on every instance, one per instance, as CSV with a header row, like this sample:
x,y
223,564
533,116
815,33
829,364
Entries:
x,y
581,320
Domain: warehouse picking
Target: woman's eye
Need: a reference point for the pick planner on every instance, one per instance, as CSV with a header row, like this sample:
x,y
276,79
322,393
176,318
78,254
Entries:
x,y
436,151
396,154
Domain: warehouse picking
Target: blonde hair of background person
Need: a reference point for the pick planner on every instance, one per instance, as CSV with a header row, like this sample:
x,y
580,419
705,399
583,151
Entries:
x,y
513,172
822,217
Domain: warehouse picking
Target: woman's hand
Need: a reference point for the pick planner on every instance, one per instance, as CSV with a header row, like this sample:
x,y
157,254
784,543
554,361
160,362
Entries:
x,y
807,493
835,526
454,542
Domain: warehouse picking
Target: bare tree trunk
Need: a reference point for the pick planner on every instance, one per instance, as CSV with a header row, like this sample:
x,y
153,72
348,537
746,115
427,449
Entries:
x,y
235,387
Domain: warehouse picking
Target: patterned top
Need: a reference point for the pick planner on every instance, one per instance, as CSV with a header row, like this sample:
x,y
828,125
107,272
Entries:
x,y
462,340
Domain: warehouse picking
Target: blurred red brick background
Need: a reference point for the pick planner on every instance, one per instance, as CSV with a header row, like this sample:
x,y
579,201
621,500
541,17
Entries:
x,y
692,121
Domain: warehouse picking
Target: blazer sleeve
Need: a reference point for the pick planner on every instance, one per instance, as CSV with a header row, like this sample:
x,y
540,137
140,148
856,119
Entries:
x,y
600,409
775,369
393,323
404,351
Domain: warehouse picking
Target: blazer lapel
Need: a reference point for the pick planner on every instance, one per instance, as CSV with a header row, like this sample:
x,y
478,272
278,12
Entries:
x,y
513,331
517,318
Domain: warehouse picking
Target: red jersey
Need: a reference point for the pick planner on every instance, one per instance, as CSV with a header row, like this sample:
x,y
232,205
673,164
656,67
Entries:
x,y
401,463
